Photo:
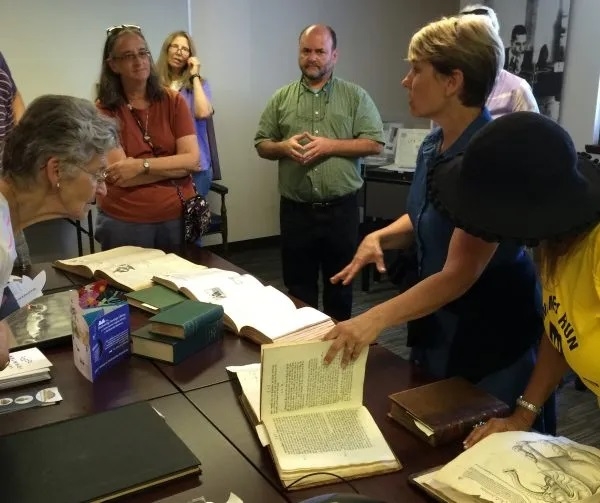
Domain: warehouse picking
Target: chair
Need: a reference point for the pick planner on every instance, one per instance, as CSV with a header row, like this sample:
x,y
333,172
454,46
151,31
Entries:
x,y
82,230
218,218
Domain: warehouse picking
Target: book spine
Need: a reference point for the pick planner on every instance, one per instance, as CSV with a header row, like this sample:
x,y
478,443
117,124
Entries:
x,y
196,326
461,428
205,336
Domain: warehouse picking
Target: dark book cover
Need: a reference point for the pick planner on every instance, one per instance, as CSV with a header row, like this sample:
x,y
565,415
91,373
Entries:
x,y
186,318
171,349
449,408
93,458
155,299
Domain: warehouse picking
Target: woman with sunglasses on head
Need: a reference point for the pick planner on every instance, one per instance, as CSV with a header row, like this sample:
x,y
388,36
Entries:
x,y
54,165
179,69
149,175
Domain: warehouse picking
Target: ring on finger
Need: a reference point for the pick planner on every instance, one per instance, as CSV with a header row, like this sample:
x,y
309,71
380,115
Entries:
x,y
479,424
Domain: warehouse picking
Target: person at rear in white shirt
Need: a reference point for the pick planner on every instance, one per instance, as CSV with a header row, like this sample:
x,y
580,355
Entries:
x,y
511,93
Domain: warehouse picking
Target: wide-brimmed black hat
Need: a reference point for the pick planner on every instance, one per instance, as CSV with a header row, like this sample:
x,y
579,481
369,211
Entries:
x,y
520,178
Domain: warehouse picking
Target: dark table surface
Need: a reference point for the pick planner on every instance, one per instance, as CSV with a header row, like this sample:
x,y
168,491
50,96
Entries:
x,y
386,374
208,366
130,381
224,469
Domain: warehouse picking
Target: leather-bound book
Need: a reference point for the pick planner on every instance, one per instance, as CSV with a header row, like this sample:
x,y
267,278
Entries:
x,y
445,410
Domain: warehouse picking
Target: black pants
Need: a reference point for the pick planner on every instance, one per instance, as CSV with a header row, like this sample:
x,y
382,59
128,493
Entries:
x,y
319,237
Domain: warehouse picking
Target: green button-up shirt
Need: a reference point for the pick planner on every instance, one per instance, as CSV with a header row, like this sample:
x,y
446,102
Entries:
x,y
340,110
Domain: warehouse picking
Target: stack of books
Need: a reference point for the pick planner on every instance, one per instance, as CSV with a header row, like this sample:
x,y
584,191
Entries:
x,y
179,331
26,367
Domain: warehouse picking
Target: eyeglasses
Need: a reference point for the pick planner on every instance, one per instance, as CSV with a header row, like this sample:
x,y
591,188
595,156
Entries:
x,y
113,30
97,177
178,48
130,57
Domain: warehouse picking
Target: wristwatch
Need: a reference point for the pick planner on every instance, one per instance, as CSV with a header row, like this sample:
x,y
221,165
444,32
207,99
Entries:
x,y
146,166
193,76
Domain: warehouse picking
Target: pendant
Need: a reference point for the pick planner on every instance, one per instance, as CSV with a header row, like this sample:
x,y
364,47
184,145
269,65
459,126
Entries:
x,y
146,138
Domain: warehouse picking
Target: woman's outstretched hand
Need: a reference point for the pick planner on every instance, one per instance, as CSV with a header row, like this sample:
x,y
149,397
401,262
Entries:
x,y
369,252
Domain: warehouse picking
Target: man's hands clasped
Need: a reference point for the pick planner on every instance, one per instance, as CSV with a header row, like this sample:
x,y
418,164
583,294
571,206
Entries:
x,y
305,148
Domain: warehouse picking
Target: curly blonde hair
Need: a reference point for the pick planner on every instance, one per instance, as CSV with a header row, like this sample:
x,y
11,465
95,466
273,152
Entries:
x,y
468,43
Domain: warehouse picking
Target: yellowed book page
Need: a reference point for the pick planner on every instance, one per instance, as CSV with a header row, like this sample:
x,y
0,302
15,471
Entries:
x,y
276,323
109,259
310,333
320,440
294,377
216,286
178,280
137,274
444,492
526,467
249,378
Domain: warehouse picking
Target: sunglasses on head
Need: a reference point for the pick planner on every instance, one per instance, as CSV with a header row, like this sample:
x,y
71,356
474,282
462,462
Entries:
x,y
479,12
116,29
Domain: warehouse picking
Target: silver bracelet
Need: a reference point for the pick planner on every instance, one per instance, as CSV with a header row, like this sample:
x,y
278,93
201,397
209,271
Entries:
x,y
521,402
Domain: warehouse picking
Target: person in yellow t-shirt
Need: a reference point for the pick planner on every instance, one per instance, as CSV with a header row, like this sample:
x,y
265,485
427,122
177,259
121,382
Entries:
x,y
521,179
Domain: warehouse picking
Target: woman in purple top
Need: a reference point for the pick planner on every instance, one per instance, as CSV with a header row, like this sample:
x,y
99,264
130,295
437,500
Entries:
x,y
179,68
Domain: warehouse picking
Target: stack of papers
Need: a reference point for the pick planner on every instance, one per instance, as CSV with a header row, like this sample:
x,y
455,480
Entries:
x,y
26,366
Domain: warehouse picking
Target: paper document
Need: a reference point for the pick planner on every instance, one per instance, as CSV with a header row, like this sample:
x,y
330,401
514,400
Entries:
x,y
523,467
408,142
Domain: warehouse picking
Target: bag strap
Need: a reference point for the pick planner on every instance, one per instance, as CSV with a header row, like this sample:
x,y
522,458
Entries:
x,y
179,193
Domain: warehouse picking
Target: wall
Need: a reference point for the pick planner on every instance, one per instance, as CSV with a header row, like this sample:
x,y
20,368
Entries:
x,y
248,49
56,47
579,112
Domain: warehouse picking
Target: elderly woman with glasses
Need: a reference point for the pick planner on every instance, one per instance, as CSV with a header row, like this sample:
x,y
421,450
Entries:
x,y
54,165
149,174
475,311
179,69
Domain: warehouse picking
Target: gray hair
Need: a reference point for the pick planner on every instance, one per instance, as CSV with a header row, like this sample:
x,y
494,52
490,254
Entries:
x,y
68,128
490,13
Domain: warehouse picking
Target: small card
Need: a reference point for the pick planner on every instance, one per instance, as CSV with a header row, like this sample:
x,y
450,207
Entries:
x,y
11,401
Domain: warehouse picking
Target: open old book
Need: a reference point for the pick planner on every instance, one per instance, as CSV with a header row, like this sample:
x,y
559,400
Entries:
x,y
127,267
517,467
311,415
261,313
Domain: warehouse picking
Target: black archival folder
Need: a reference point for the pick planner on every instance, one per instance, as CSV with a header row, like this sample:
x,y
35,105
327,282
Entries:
x,y
93,458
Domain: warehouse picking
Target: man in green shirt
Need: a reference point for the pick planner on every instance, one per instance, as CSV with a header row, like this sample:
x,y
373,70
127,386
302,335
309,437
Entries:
x,y
318,128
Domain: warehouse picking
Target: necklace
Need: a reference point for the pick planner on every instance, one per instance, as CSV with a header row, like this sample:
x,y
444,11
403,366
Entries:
x,y
145,128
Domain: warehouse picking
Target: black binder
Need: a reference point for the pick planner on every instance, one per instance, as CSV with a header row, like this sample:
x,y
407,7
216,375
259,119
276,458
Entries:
x,y
94,458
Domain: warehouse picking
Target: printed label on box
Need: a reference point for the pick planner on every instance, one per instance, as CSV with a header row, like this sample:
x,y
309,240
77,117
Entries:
x,y
100,335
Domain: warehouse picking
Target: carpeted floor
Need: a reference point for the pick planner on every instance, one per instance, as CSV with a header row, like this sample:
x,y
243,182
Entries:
x,y
579,415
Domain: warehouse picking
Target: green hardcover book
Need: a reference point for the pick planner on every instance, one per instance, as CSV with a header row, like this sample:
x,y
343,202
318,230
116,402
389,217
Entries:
x,y
155,299
171,350
186,319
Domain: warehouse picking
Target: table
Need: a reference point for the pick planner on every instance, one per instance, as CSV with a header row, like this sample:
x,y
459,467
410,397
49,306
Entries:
x,y
200,403
207,367
224,469
130,381
386,374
